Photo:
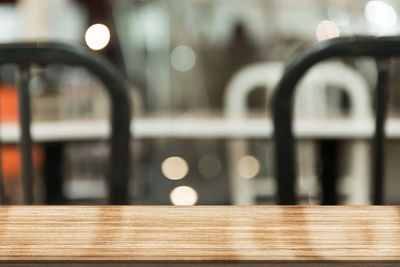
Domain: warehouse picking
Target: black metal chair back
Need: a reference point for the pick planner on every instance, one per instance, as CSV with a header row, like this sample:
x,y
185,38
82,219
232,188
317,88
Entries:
x,y
25,54
379,48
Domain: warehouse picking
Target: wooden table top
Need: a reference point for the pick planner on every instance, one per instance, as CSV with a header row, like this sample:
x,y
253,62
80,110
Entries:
x,y
212,234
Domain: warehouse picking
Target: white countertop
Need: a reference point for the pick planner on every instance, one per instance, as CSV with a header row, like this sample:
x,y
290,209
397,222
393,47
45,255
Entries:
x,y
204,127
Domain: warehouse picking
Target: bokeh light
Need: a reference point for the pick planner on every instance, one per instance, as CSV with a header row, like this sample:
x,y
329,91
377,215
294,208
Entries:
x,y
183,58
380,14
183,195
174,168
97,36
327,29
248,167
209,166
338,15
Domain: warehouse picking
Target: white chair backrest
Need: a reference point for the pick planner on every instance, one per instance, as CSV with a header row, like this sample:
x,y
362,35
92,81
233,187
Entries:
x,y
312,98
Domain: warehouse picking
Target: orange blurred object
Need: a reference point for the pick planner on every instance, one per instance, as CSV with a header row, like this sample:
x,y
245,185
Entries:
x,y
8,103
10,155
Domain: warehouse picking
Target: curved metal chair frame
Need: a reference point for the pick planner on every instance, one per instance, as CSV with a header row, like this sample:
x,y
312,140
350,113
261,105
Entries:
x,y
268,74
25,54
379,48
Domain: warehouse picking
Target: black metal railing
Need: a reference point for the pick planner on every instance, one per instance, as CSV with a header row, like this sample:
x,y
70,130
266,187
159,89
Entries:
x,y
26,54
379,48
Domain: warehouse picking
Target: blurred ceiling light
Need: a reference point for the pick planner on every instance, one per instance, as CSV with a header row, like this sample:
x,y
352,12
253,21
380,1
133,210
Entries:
x,y
338,15
183,58
248,167
209,166
327,29
97,36
174,168
183,195
380,14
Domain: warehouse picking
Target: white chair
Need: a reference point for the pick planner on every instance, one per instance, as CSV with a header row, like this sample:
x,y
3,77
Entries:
x,y
310,103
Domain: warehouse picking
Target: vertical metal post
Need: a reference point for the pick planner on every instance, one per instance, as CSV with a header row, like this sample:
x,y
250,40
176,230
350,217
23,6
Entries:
x,y
53,173
378,143
25,136
329,152
285,150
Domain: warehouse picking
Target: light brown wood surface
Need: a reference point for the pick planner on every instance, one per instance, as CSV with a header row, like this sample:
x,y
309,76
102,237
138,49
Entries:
x,y
202,234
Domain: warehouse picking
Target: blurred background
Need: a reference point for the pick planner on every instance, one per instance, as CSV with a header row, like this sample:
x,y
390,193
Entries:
x,y
201,75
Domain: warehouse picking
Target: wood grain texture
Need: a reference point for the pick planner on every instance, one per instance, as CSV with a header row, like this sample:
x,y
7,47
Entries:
x,y
213,234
